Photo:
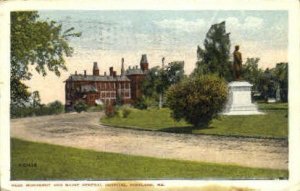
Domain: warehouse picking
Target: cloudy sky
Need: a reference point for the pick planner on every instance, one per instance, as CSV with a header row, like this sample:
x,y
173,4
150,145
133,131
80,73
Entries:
x,y
107,36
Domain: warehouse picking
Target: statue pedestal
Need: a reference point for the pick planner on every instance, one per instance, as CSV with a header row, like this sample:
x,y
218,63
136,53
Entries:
x,y
239,100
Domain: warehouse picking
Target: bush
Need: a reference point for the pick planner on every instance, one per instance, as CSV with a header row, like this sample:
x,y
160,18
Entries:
x,y
126,111
110,110
197,99
144,102
117,111
18,112
80,106
140,103
56,107
43,110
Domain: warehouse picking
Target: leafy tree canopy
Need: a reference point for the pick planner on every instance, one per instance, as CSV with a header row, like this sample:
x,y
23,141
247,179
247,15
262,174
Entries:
x,y
159,79
271,82
278,80
214,58
41,44
281,72
197,99
251,72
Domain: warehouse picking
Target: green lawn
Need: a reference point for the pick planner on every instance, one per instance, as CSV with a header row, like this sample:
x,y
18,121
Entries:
x,y
273,124
57,162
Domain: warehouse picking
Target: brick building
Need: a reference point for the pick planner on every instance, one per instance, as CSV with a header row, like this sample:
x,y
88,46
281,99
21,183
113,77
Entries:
x,y
105,88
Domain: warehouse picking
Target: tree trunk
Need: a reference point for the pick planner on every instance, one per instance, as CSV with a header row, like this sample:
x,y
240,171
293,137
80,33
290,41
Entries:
x,y
160,101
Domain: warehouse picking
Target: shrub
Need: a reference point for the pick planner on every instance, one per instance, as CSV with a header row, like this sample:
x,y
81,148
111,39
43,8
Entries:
x,y
43,110
140,103
56,107
18,112
144,102
117,111
197,99
80,106
110,110
126,111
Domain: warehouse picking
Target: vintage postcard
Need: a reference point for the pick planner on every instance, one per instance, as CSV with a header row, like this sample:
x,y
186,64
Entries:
x,y
131,95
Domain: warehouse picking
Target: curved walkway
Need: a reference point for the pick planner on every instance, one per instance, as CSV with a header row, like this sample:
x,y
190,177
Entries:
x,y
84,131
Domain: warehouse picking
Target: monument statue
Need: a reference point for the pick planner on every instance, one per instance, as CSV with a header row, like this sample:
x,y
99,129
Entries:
x,y
239,100
237,63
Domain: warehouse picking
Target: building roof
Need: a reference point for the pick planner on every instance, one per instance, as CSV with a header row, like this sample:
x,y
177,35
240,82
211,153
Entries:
x,y
134,71
93,78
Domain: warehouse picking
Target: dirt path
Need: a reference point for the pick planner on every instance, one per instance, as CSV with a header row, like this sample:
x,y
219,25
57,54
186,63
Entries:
x,y
83,131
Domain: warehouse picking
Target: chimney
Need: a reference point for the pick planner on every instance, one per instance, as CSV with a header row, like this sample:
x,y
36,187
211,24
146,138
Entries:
x,y
122,67
75,73
144,62
114,73
84,73
95,69
104,73
111,70
163,62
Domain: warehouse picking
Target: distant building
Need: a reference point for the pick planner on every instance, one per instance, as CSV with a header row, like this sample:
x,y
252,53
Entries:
x,y
105,88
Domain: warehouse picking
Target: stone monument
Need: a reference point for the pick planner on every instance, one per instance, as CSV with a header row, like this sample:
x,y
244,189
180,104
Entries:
x,y
239,96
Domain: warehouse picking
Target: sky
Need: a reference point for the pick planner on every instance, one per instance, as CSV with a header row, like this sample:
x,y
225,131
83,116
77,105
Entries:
x,y
108,36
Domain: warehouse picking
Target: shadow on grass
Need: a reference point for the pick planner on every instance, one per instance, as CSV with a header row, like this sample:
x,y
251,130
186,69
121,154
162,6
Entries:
x,y
185,129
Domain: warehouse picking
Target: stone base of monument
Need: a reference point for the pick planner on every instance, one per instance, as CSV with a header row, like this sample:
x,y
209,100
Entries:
x,y
239,100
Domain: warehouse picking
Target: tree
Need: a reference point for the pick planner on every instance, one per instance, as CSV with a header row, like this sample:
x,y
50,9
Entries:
x,y
252,73
197,99
41,44
281,75
267,84
151,82
173,73
158,80
36,99
18,92
169,75
214,58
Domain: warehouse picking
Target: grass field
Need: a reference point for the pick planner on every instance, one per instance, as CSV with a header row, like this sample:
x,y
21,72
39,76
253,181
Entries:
x,y
274,124
57,162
